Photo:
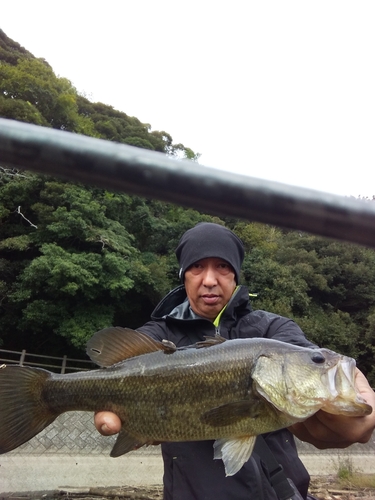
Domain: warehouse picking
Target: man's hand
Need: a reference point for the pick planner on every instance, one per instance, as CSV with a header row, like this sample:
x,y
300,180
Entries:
x,y
107,423
325,430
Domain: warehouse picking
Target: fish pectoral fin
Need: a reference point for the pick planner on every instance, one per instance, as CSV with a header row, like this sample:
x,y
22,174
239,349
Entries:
x,y
125,442
234,452
112,345
210,341
230,413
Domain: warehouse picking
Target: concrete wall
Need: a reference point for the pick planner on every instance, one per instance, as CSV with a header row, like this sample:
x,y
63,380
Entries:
x,y
71,453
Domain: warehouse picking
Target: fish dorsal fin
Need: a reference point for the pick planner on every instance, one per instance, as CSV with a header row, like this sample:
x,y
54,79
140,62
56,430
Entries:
x,y
112,345
234,452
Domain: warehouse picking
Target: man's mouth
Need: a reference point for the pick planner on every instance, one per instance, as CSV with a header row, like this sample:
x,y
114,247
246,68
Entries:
x,y
210,299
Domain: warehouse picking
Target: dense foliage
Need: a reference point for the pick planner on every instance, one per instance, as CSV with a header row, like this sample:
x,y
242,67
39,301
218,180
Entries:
x,y
74,259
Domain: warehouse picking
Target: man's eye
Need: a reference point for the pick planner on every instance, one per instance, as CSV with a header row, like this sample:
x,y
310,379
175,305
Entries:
x,y
196,267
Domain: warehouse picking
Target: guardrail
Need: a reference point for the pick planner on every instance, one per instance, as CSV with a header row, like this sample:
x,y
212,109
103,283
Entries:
x,y
19,358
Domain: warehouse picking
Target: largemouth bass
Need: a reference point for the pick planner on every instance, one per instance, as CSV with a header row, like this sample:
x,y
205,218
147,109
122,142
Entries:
x,y
227,391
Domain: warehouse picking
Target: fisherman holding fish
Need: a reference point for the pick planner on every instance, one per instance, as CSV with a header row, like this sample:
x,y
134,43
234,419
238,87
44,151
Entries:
x,y
210,303
221,386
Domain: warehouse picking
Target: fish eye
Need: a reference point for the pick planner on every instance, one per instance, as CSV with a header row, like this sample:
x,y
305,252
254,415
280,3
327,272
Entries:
x,y
318,358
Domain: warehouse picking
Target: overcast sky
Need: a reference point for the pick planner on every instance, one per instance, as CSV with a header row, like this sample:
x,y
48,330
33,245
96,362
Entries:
x,y
282,90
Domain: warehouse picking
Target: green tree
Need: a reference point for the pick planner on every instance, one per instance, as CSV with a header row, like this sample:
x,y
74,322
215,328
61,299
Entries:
x,y
11,51
31,92
23,111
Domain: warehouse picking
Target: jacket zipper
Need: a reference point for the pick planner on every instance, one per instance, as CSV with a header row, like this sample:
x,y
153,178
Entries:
x,y
217,327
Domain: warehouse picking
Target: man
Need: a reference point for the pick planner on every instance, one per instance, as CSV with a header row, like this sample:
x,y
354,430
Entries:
x,y
210,303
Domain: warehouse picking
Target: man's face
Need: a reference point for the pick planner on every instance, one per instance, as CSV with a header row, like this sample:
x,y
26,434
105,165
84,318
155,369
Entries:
x,y
209,285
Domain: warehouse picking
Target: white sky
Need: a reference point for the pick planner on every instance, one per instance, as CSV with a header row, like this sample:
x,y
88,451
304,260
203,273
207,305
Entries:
x,y
281,89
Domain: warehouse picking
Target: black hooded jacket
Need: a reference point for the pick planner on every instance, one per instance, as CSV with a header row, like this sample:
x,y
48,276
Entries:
x,y
190,472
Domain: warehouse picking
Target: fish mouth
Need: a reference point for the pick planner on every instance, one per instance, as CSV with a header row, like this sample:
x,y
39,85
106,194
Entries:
x,y
345,400
341,377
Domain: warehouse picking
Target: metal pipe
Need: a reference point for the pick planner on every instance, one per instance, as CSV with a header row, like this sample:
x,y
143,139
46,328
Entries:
x,y
146,173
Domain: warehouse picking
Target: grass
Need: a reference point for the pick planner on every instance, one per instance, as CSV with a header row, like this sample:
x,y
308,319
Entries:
x,y
358,481
348,477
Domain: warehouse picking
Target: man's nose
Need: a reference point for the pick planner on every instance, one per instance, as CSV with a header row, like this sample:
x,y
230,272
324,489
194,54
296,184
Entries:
x,y
209,277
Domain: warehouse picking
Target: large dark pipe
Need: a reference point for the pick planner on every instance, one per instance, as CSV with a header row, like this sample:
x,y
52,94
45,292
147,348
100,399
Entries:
x,y
154,175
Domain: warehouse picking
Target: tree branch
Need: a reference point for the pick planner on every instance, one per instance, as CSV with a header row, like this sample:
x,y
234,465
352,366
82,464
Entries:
x,y
27,220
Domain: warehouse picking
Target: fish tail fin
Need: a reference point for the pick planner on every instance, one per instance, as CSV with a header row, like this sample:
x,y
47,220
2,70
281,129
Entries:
x,y
23,411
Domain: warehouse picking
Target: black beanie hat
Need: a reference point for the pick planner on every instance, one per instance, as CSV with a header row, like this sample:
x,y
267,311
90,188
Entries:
x,y
209,240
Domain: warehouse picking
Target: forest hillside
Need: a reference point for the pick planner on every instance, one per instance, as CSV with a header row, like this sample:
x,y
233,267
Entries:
x,y
75,259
